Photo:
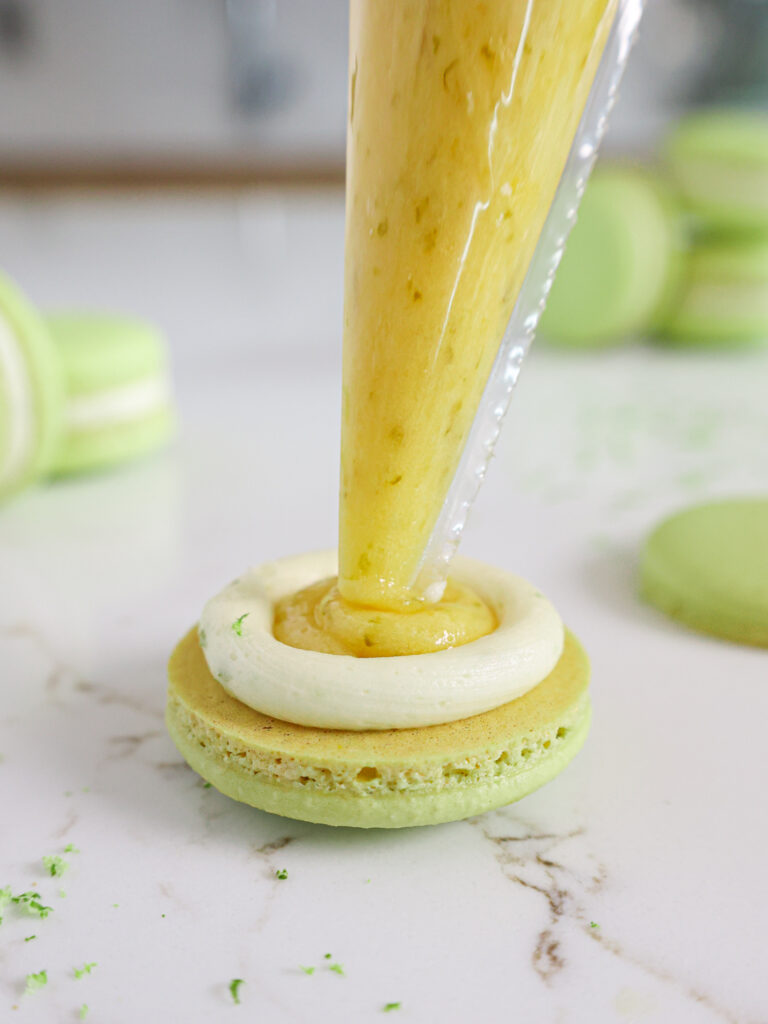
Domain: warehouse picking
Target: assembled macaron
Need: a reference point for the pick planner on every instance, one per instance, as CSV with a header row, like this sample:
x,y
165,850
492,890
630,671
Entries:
x,y
31,392
723,300
719,162
118,394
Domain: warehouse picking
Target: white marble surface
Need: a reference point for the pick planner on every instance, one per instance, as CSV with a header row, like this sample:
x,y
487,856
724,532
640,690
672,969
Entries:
x,y
657,832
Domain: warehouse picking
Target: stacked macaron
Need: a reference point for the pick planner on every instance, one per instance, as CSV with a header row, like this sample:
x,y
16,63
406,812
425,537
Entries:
x,y
118,398
719,163
77,392
31,392
680,253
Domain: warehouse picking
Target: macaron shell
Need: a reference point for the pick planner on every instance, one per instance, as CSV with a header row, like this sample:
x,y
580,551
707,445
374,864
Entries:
x,y
45,380
479,763
707,567
621,264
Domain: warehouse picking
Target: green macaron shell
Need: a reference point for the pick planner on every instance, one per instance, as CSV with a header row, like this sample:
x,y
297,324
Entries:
x,y
707,567
400,810
621,264
719,161
44,379
723,300
102,353
378,779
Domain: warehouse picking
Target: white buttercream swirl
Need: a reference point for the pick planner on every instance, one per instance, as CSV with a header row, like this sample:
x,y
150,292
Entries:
x,y
334,691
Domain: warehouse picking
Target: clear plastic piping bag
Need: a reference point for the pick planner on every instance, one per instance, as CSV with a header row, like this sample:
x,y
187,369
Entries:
x,y
472,131
529,307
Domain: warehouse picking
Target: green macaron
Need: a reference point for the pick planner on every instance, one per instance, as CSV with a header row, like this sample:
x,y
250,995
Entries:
x,y
707,567
393,778
719,161
723,300
31,392
118,397
620,265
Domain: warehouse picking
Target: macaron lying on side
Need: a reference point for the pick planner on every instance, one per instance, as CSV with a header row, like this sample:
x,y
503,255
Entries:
x,y
719,162
31,392
118,396
621,264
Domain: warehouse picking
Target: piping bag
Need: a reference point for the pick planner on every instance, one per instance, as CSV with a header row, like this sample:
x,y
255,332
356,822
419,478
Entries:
x,y
473,127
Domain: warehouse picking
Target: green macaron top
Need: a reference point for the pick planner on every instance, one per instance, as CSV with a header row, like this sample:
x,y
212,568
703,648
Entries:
x,y
723,136
621,262
708,567
41,380
101,350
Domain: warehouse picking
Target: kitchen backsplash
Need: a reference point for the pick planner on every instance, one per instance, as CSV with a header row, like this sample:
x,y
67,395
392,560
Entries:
x,y
253,82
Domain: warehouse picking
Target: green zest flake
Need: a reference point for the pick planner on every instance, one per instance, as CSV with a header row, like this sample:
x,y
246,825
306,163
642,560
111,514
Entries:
x,y
593,924
234,989
83,1011
5,897
207,785
79,972
282,874
30,937
36,981
326,956
71,848
391,1006
336,968
237,625
55,865
30,901
307,970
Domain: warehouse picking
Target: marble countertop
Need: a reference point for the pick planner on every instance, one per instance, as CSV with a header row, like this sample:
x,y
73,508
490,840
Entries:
x,y
632,888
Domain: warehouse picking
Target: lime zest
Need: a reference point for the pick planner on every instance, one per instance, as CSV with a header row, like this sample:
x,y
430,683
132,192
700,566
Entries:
x,y
36,982
237,625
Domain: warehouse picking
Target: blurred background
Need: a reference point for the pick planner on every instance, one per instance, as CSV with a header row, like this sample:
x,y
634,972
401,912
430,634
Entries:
x,y
234,91
117,118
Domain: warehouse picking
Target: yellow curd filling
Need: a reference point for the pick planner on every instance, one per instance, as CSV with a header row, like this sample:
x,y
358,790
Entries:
x,y
461,117
319,619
